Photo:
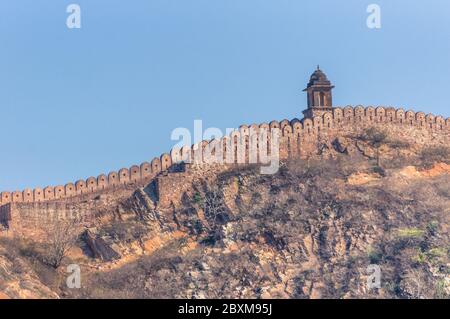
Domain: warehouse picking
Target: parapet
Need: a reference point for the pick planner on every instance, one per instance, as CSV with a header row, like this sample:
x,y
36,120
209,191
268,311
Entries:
x,y
291,133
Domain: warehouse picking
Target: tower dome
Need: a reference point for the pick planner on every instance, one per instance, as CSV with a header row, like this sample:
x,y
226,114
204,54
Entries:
x,y
317,76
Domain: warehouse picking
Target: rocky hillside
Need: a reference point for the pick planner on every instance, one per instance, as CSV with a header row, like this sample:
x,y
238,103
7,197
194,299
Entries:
x,y
309,231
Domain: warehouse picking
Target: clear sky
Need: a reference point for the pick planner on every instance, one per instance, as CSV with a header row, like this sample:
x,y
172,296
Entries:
x,y
75,103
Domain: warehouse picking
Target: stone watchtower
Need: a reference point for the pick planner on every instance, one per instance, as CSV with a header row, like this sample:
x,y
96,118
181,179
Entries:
x,y
319,94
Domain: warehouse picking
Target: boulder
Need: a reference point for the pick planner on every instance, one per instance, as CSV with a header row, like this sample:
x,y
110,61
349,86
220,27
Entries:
x,y
99,247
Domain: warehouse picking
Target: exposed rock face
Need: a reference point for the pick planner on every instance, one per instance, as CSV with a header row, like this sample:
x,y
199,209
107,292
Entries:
x,y
304,233
100,247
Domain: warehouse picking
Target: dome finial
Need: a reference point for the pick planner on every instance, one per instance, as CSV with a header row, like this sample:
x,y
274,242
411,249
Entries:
x,y
318,68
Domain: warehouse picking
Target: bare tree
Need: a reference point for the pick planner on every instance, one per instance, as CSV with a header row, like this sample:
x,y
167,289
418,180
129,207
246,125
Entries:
x,y
61,236
213,205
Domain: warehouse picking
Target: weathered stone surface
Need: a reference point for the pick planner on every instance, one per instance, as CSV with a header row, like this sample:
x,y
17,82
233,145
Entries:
x,y
99,247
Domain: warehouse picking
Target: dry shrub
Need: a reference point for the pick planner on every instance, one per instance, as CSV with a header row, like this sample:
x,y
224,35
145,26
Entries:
x,y
434,154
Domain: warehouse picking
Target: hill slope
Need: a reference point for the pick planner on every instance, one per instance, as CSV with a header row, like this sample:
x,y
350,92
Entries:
x,y
309,231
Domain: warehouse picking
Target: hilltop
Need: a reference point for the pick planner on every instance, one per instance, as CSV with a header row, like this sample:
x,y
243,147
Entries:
x,y
308,231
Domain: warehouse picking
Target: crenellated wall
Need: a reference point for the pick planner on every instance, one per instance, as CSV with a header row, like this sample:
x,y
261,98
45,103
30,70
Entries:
x,y
298,138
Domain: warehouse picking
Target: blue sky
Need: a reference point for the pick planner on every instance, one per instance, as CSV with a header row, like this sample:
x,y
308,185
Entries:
x,y
80,102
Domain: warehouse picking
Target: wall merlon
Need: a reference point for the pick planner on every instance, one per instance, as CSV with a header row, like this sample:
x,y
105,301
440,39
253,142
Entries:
x,y
49,193
135,173
166,161
254,127
264,126
284,123
244,129
91,184
156,165
80,187
102,181
124,175
70,189
146,169
38,194
60,192
287,130
274,124
113,179
27,195
17,196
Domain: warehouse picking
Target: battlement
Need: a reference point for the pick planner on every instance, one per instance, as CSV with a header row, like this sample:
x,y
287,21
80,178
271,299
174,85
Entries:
x,y
297,138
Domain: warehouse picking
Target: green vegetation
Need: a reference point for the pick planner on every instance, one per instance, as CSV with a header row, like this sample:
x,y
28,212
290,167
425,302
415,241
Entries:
x,y
197,199
436,253
410,233
420,257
